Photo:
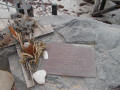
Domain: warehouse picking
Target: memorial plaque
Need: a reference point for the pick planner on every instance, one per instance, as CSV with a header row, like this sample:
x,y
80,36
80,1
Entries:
x,y
70,60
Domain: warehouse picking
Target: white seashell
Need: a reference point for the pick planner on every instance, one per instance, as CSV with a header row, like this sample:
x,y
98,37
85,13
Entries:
x,y
39,76
45,54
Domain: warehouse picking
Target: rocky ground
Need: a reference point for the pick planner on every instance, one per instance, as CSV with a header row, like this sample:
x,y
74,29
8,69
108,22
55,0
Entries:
x,y
84,31
66,7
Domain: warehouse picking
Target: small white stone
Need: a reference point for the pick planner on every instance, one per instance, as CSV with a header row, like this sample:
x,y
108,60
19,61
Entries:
x,y
39,76
26,44
45,55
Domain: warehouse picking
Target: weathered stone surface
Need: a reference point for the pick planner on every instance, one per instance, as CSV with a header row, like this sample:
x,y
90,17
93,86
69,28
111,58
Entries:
x,y
90,31
87,31
79,31
106,68
54,20
4,53
16,67
20,84
115,54
107,38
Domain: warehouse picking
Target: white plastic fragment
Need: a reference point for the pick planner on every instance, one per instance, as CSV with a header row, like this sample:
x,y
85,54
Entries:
x,y
39,76
45,55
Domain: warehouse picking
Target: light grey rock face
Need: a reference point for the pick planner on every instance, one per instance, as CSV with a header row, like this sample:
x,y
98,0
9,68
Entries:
x,y
115,54
106,38
107,71
54,20
88,31
78,31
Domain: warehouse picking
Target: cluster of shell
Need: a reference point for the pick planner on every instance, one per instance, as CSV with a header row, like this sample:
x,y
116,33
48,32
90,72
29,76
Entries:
x,y
25,25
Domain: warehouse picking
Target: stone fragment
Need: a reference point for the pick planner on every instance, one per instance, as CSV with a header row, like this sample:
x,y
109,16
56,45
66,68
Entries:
x,y
45,55
39,76
6,80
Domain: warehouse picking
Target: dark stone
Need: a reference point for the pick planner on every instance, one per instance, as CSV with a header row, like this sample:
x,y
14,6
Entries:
x,y
115,88
4,54
60,6
54,9
82,4
21,11
4,64
30,12
89,1
18,5
11,1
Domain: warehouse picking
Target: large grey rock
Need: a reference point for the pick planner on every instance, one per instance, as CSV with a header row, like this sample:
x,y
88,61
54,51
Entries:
x,y
78,31
115,54
4,54
54,20
107,38
107,71
88,31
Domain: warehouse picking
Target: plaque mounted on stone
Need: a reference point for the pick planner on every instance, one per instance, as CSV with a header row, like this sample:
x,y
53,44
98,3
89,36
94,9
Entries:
x,y
70,60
